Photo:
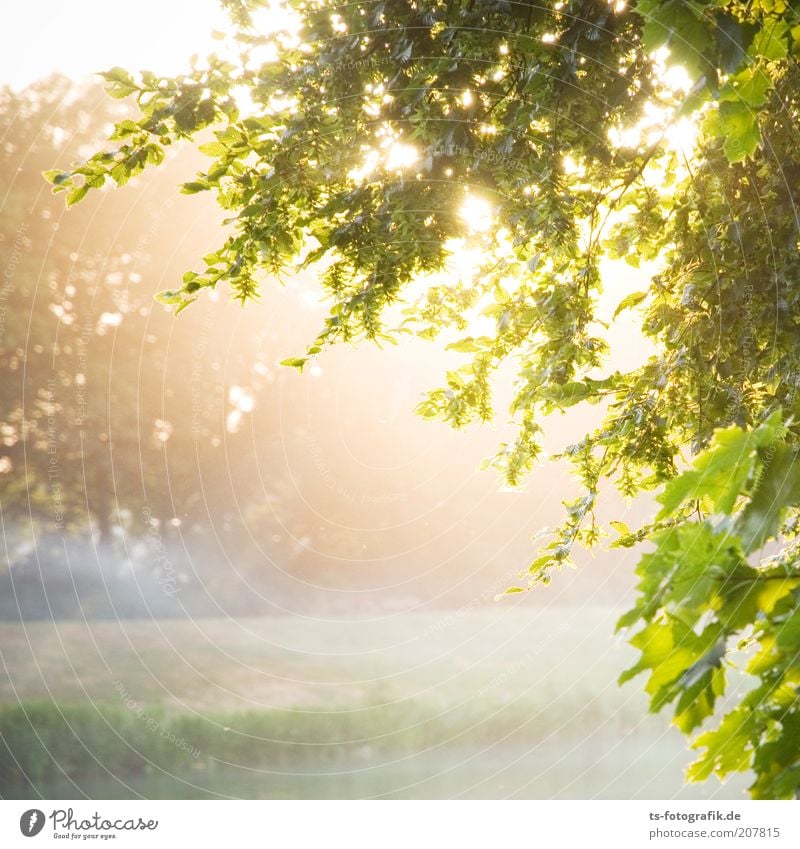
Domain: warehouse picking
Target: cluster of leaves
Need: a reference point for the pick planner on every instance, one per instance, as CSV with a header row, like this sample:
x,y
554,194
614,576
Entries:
x,y
702,606
525,110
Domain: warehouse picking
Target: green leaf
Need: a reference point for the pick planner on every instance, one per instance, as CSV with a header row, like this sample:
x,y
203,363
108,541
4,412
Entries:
x,y
214,149
121,83
117,75
717,476
467,346
193,188
76,195
295,362
737,125
124,129
56,176
154,154
750,87
168,297
629,302
702,684
681,27
121,173
771,41
573,392
184,303
733,39
778,488
728,748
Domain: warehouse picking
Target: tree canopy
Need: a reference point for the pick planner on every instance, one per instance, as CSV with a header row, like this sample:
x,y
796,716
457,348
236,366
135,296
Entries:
x,y
469,169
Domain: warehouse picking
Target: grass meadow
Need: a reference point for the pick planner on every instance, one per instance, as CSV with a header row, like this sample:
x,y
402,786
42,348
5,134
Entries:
x,y
507,702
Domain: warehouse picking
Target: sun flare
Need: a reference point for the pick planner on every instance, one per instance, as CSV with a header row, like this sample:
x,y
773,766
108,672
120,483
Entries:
x,y
477,214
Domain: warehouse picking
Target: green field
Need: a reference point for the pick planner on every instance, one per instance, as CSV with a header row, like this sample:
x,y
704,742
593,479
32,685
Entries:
x,y
511,701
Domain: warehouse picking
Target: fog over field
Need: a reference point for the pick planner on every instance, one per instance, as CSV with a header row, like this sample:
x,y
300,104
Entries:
x,y
491,703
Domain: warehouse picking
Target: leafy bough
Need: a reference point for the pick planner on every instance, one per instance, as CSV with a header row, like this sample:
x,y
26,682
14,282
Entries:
x,y
710,598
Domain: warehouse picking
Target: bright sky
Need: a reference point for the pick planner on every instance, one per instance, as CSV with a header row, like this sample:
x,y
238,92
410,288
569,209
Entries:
x,y
81,37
